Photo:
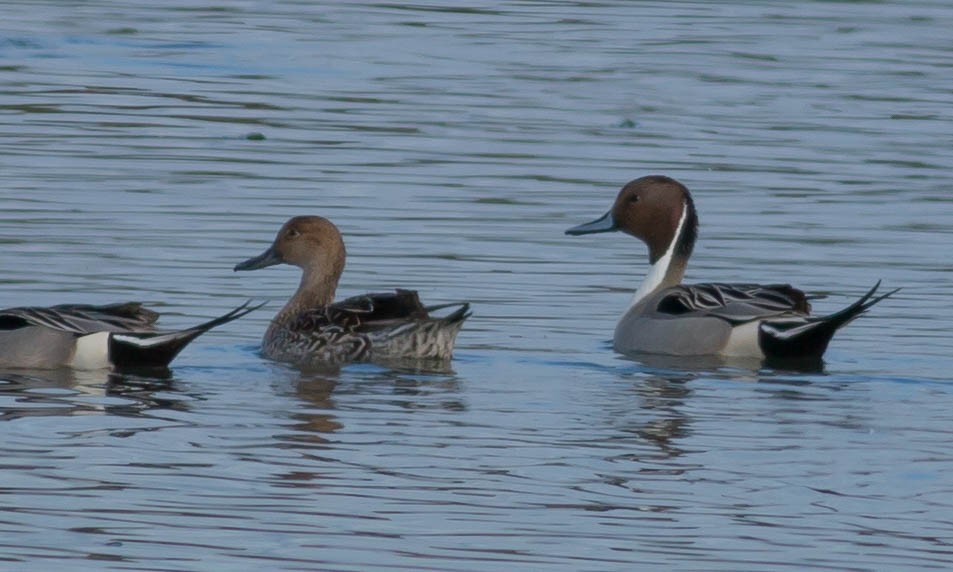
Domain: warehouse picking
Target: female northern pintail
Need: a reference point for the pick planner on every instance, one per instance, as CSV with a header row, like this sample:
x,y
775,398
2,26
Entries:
x,y
741,320
314,330
84,336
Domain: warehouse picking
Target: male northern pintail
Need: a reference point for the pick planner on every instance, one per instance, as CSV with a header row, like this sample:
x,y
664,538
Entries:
x,y
314,330
741,320
84,336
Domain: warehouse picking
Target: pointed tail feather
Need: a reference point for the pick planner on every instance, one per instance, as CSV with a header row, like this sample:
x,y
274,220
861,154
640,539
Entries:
x,y
149,349
796,339
458,315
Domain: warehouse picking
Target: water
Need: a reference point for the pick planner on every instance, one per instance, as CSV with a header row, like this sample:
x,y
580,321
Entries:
x,y
145,149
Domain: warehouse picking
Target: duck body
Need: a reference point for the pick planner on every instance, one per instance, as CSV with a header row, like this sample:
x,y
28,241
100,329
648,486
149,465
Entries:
x,y
314,330
84,336
371,327
771,322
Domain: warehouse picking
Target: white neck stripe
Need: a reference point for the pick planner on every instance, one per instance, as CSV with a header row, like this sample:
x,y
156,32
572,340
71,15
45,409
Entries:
x,y
657,272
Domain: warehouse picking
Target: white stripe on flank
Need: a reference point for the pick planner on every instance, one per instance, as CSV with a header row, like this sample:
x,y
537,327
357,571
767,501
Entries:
x,y
146,342
789,333
92,351
656,273
743,341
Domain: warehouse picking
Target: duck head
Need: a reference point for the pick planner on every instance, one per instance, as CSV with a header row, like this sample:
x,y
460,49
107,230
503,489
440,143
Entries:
x,y
657,210
313,244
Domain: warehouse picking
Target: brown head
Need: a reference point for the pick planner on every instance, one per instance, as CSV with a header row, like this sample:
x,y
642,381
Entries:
x,y
650,209
311,243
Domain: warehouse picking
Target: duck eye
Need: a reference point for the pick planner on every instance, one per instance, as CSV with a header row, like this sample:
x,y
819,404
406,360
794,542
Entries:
x,y
633,199
292,233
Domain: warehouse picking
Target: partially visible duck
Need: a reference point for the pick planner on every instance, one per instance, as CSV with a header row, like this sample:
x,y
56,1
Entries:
x,y
771,322
84,336
312,329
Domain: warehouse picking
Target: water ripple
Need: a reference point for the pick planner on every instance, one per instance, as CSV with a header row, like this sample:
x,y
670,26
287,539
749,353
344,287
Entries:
x,y
148,148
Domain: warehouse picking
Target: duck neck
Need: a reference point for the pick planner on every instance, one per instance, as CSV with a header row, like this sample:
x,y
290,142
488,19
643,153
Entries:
x,y
668,269
316,290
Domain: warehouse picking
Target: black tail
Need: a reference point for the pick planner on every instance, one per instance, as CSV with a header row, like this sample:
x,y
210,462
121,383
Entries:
x,y
154,349
784,340
458,315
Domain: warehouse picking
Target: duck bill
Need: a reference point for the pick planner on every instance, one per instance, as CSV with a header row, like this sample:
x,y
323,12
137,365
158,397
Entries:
x,y
601,224
267,258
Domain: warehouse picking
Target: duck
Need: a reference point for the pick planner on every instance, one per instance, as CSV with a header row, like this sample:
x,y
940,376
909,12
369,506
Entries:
x,y
314,330
770,322
86,336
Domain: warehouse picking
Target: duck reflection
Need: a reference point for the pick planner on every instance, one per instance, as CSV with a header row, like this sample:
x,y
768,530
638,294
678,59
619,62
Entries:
x,y
662,386
653,414
314,422
410,387
717,364
64,392
421,392
318,416
664,397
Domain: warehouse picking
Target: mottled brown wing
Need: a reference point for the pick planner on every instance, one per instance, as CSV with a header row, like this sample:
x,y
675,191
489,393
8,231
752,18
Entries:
x,y
326,335
385,325
397,305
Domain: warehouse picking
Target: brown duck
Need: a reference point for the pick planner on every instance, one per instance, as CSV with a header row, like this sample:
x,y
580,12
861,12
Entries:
x,y
312,329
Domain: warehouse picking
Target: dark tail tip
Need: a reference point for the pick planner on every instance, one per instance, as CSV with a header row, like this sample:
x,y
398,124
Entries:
x,y
810,340
133,350
459,315
843,317
235,314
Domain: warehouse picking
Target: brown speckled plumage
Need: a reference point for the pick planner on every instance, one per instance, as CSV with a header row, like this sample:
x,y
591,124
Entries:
x,y
313,330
